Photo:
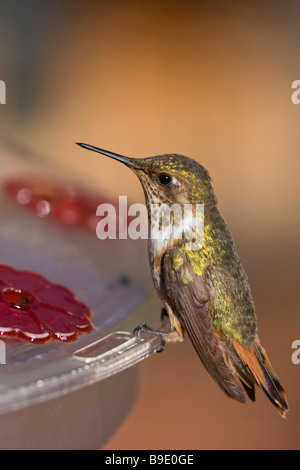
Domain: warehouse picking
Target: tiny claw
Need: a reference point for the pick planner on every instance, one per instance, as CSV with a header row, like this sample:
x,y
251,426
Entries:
x,y
142,329
147,329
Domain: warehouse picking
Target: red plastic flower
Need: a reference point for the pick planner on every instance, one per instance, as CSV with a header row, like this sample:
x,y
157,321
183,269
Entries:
x,y
34,309
64,203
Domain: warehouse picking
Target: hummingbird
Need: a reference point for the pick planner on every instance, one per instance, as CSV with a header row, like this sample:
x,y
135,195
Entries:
x,y
203,286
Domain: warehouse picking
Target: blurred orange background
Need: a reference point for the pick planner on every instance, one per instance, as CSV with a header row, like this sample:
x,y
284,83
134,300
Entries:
x,y
211,80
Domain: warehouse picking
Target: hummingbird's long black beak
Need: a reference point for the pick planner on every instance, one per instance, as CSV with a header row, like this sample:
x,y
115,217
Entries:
x,y
116,156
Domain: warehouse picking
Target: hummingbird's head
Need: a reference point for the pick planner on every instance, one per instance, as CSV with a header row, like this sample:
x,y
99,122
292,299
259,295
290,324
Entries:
x,y
168,178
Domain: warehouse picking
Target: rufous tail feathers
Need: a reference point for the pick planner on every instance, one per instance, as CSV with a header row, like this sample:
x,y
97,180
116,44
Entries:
x,y
257,362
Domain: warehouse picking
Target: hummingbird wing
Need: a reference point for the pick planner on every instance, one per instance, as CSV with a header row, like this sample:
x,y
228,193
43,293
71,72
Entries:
x,y
235,367
188,297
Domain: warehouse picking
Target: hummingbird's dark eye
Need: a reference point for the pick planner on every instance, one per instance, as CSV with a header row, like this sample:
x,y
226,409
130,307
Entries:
x,y
164,179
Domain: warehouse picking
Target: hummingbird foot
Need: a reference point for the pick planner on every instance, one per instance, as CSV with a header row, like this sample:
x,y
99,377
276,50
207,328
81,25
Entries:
x,y
139,330
146,329
166,336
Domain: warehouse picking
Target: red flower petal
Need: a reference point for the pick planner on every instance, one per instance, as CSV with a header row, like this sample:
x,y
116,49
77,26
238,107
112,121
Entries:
x,y
60,297
59,323
20,279
34,309
12,319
